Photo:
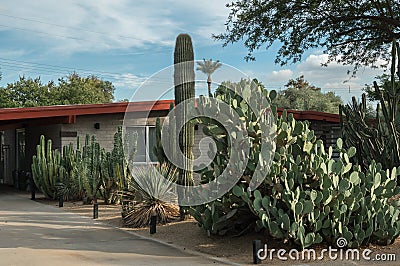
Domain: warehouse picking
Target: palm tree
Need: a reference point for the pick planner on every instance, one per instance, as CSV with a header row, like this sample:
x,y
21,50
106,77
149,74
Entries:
x,y
208,67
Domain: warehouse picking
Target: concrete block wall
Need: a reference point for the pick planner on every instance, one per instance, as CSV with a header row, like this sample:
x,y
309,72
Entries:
x,y
85,125
105,134
328,132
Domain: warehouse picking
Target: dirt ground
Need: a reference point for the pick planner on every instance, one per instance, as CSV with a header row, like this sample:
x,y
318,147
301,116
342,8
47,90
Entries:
x,y
188,235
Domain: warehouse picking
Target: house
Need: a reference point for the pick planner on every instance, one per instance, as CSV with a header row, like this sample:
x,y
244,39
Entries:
x,y
20,129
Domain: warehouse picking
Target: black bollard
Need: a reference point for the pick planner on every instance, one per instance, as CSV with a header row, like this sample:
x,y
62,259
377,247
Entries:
x,y
153,221
60,201
33,190
33,193
256,248
95,210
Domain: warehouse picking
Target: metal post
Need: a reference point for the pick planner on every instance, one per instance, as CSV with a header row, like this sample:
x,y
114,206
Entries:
x,y
95,210
153,222
256,248
33,193
60,201
33,188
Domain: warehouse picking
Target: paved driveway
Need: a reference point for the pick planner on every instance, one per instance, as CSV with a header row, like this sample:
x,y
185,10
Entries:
x,y
36,234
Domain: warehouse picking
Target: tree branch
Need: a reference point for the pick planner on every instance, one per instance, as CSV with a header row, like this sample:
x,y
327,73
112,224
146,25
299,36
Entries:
x,y
390,21
354,41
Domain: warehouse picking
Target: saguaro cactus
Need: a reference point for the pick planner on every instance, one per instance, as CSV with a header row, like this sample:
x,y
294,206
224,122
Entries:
x,y
184,90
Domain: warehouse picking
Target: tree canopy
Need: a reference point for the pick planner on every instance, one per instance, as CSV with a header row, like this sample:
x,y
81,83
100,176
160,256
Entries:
x,y
301,95
72,89
352,32
383,82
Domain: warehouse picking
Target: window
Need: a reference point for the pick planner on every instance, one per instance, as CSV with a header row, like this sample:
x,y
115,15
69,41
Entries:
x,y
146,143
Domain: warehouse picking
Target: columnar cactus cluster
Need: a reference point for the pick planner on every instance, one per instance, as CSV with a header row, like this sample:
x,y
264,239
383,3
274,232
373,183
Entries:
x,y
46,168
82,173
377,140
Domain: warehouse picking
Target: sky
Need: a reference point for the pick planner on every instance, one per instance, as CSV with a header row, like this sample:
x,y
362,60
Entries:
x,y
128,42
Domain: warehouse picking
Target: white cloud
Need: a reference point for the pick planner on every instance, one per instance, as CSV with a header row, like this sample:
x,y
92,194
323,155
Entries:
x,y
128,81
279,76
12,53
69,26
335,76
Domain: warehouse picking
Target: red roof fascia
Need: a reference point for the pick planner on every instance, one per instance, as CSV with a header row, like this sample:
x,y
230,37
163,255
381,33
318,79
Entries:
x,y
83,109
312,115
110,108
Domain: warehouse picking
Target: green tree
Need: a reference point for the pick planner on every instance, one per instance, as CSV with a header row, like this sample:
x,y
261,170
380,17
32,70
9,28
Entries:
x,y
382,82
73,89
26,92
5,101
355,32
208,67
301,95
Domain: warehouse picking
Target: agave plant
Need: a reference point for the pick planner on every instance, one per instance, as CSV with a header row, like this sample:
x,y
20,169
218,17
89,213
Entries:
x,y
153,194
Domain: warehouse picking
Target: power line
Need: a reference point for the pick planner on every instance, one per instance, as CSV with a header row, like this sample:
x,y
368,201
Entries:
x,y
68,27
86,30
47,69
47,66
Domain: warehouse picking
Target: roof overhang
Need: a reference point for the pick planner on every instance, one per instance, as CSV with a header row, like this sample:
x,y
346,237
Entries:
x,y
66,114
312,116
12,118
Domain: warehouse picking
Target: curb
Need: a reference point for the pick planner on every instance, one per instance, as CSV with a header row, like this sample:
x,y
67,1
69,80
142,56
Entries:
x,y
180,248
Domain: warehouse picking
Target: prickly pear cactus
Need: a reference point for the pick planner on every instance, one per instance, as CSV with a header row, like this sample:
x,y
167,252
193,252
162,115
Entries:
x,y
307,197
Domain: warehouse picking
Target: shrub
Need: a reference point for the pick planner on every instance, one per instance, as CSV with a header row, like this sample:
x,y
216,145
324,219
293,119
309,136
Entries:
x,y
150,189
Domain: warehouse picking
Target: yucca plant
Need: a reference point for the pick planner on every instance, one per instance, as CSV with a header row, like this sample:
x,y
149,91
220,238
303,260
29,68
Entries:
x,y
153,194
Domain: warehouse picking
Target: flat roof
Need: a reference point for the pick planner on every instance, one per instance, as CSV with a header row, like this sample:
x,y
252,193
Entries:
x,y
66,114
12,118
312,115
